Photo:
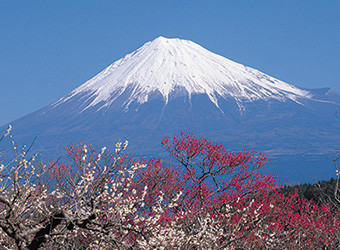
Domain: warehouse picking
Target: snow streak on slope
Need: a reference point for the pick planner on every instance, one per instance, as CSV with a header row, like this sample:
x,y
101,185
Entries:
x,y
168,65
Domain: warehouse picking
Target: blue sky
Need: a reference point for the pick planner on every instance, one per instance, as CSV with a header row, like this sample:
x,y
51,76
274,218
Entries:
x,y
50,47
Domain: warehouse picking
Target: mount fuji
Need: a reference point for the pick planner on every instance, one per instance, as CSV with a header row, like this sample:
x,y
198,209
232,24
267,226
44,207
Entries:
x,y
169,85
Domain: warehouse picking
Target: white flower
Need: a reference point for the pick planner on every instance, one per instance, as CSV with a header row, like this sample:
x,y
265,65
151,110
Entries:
x,y
8,130
177,196
85,149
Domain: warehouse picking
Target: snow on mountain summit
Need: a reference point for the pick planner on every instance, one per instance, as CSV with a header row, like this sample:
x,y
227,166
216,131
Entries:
x,y
167,65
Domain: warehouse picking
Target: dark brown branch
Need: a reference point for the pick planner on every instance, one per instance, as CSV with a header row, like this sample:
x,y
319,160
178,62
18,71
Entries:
x,y
39,237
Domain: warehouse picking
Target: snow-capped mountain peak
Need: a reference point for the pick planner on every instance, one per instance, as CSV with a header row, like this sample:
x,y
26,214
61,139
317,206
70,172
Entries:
x,y
173,85
168,65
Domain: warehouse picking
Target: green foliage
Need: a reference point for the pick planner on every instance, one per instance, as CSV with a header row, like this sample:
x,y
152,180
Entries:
x,y
321,192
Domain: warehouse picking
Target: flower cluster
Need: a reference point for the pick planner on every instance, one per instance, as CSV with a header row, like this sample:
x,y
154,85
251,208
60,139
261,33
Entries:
x,y
212,199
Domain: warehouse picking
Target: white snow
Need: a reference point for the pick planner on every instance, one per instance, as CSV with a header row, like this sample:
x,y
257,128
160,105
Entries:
x,y
165,64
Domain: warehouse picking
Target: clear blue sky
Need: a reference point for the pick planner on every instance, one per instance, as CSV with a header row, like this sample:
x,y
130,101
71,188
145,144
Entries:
x,y
49,47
